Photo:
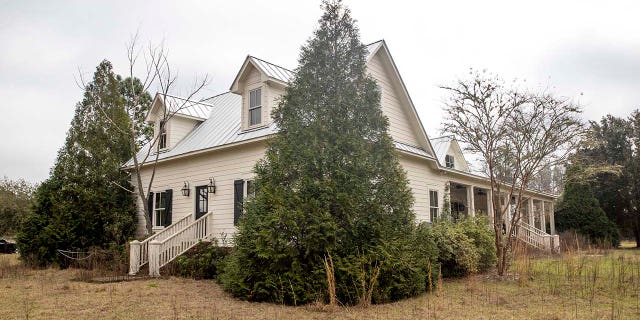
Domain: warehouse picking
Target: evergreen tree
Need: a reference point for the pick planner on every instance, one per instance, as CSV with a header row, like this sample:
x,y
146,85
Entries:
x,y
330,184
579,210
83,204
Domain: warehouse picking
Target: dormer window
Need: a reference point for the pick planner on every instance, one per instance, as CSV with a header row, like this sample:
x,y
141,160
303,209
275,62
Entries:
x,y
162,136
448,161
255,107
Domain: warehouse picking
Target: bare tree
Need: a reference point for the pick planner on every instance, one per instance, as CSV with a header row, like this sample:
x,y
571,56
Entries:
x,y
156,73
516,133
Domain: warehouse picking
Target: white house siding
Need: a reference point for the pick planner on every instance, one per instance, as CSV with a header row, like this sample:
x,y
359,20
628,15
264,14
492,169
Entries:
x,y
459,161
178,128
224,165
422,178
400,127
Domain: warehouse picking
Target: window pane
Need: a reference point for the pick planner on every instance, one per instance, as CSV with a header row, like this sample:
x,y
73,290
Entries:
x,y
258,97
255,116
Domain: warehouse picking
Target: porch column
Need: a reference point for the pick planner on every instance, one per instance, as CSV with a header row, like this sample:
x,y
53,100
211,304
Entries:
x,y
471,201
552,219
530,211
543,220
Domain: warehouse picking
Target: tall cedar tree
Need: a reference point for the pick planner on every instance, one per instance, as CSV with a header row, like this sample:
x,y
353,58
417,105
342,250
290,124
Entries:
x,y
330,184
82,204
580,211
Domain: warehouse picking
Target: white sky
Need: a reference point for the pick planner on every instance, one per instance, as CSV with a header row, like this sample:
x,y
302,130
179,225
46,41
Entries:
x,y
589,47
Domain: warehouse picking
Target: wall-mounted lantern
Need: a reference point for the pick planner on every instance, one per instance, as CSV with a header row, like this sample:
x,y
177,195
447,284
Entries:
x,y
212,185
185,189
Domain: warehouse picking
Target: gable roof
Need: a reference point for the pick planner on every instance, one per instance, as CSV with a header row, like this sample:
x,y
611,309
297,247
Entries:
x,y
221,128
222,123
197,110
442,145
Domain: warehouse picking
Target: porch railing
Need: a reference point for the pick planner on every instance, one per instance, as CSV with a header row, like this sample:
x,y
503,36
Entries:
x,y
164,251
139,250
537,238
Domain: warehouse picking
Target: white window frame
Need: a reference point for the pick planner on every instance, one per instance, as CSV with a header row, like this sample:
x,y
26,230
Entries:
x,y
163,140
436,207
157,220
249,195
258,106
449,161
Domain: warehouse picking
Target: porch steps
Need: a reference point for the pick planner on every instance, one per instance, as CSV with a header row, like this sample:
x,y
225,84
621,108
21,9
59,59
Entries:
x,y
537,238
163,247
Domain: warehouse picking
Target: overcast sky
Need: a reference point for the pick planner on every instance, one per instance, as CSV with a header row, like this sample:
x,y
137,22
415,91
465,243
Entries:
x,y
574,47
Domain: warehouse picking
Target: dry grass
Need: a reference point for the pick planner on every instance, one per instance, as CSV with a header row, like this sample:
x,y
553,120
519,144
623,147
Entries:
x,y
539,288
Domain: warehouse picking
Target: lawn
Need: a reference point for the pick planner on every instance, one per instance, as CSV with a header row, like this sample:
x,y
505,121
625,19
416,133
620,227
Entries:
x,y
584,285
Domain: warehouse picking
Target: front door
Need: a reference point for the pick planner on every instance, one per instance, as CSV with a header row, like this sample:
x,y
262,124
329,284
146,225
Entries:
x,y
202,201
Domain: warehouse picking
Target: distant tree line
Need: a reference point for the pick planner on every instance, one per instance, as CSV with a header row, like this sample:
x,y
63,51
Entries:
x,y
602,194
15,199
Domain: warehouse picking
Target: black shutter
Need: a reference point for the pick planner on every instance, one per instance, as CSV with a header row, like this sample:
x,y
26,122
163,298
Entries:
x,y
169,205
238,191
150,204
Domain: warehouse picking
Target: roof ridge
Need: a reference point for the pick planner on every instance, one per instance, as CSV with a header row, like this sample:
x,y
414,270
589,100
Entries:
x,y
445,136
185,99
217,95
271,63
381,40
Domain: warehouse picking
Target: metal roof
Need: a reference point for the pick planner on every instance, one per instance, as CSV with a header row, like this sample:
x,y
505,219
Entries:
x,y
411,149
221,128
189,108
222,117
440,146
272,70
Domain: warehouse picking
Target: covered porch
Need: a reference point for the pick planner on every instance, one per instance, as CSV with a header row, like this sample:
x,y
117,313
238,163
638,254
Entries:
x,y
537,221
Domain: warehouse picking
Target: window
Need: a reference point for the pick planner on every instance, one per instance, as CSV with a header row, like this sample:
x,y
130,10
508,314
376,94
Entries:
x,y
162,138
159,209
433,205
202,201
251,189
255,107
448,161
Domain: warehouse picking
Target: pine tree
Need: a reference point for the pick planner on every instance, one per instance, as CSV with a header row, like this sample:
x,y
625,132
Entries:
x,y
330,183
83,204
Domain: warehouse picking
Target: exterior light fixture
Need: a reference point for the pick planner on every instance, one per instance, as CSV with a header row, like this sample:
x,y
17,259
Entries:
x,y
212,185
185,189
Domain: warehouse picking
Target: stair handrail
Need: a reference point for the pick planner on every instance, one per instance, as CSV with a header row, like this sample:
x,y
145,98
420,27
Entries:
x,y
139,250
164,251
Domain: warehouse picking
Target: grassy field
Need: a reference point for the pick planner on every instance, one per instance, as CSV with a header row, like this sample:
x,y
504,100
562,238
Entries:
x,y
581,285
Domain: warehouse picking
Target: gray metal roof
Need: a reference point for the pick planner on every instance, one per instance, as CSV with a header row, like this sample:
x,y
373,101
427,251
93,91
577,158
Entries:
x,y
440,146
194,109
222,117
411,149
221,128
272,70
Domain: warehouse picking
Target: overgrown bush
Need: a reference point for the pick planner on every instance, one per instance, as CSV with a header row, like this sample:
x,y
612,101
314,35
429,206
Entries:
x,y
465,247
480,231
204,261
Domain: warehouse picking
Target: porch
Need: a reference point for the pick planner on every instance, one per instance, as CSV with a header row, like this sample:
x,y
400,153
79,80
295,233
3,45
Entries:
x,y
536,225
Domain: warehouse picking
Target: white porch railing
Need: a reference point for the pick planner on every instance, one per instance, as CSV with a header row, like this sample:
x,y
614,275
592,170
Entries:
x,y
164,251
537,238
139,250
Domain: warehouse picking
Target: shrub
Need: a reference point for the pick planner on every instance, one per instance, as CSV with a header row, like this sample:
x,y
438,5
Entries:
x,y
458,255
204,261
579,210
478,229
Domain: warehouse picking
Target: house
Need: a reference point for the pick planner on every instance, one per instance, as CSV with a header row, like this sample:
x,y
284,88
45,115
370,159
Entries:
x,y
208,150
